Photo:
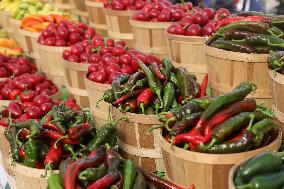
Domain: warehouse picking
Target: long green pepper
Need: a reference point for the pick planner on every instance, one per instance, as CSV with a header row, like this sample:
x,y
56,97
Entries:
x,y
169,96
129,174
31,153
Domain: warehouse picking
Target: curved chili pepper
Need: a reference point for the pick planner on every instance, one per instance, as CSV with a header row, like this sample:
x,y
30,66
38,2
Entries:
x,y
108,97
129,173
131,94
168,75
185,87
52,157
204,85
75,167
169,96
31,153
106,181
130,105
140,84
92,174
117,84
155,69
57,136
112,159
144,99
77,131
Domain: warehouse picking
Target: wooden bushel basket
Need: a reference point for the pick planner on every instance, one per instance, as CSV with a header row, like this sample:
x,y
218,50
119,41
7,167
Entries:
x,y
5,151
232,176
64,5
95,93
30,178
74,76
97,17
51,63
5,21
136,143
277,95
188,52
206,171
118,25
227,69
16,26
150,37
79,5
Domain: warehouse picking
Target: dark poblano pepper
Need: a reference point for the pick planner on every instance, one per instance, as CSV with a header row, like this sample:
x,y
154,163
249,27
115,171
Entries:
x,y
132,81
117,84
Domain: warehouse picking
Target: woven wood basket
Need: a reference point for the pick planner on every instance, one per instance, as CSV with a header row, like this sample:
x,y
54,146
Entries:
x,y
5,21
95,93
51,63
188,52
136,143
210,171
16,26
150,37
74,76
5,149
97,17
118,25
227,69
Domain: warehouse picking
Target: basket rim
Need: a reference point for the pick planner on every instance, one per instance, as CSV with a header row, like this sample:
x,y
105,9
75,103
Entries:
x,y
185,38
149,25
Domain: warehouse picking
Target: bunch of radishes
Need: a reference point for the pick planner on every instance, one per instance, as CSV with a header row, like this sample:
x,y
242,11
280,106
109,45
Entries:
x,y
26,84
15,66
202,22
65,33
114,60
163,12
127,4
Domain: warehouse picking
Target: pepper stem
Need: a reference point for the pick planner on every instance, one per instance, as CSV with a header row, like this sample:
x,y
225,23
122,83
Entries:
x,y
58,140
142,108
168,122
246,186
252,116
127,109
154,127
120,119
46,167
212,143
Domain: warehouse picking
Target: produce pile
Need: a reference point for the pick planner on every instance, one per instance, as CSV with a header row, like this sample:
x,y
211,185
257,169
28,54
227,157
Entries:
x,y
201,22
26,85
15,66
163,11
8,45
38,22
34,7
109,60
9,5
255,36
65,34
66,131
103,169
154,89
226,124
127,4
275,62
262,171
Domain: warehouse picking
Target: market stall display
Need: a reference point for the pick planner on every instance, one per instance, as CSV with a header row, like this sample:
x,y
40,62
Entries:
x,y
263,170
215,134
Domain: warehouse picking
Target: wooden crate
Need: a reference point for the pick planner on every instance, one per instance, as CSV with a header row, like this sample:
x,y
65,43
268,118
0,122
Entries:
x,y
136,143
74,76
150,37
51,63
208,171
97,17
118,25
30,178
227,69
95,93
188,52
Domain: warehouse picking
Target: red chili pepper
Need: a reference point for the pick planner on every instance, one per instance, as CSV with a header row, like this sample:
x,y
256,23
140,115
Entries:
x,y
57,136
50,126
160,182
4,121
79,130
155,69
204,85
130,105
180,99
21,152
246,105
53,155
39,165
229,20
144,99
131,94
24,133
84,163
106,181
192,139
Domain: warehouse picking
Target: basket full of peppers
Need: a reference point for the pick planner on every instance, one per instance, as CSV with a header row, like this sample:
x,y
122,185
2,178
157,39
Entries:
x,y
220,132
39,145
241,49
104,168
264,170
275,66
139,97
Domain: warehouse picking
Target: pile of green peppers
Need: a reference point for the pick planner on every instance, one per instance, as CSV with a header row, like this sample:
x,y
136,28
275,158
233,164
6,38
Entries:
x,y
264,171
248,37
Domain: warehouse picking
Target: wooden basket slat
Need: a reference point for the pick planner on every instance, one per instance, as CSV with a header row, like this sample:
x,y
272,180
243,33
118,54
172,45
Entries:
x,y
79,5
15,26
150,37
5,149
226,72
185,167
135,141
5,21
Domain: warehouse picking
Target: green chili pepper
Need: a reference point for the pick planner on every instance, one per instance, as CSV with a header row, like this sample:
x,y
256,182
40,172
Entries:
x,y
108,97
175,104
262,49
276,32
238,181
140,84
184,86
92,174
112,140
169,96
153,81
232,46
275,61
117,84
174,80
129,174
156,105
55,181
149,111
140,181
261,128
31,153
266,162
265,181
11,135
168,67
243,144
36,129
